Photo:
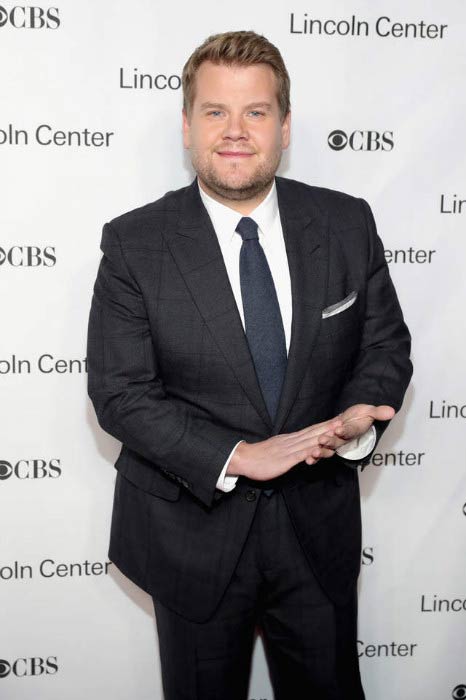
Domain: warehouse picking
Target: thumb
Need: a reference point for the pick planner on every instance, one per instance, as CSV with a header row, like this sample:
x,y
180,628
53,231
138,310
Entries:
x,y
382,412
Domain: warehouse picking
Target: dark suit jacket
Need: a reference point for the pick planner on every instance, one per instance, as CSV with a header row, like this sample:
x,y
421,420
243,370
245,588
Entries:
x,y
172,378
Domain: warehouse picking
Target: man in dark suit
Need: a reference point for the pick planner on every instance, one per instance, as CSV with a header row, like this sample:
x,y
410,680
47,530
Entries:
x,y
247,347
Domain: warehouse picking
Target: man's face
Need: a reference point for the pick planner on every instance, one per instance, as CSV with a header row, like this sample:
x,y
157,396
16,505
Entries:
x,y
234,132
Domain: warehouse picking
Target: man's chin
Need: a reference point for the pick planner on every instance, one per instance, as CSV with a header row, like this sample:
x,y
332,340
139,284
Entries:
x,y
238,189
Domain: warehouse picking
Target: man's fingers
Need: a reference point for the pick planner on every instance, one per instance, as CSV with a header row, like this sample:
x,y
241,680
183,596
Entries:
x,y
318,428
383,413
367,412
319,453
353,428
298,440
357,425
306,444
331,441
372,412
312,453
320,441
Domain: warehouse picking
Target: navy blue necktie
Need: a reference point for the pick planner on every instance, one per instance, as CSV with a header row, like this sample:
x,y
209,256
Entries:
x,y
262,317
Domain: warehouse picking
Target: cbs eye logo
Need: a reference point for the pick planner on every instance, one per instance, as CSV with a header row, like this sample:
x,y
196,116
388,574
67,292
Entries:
x,y
459,693
5,471
337,140
5,668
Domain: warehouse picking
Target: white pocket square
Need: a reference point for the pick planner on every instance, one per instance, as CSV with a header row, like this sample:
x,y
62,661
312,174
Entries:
x,y
340,305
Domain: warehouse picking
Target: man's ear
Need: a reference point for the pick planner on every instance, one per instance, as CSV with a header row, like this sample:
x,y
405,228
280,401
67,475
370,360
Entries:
x,y
286,129
186,130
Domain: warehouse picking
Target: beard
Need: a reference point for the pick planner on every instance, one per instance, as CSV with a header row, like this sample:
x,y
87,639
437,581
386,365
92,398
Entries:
x,y
232,185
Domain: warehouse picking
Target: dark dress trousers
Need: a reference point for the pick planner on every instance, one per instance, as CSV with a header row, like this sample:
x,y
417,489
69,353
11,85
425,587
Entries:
x,y
172,378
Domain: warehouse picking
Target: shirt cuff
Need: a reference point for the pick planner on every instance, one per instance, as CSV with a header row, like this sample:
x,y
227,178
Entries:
x,y
227,482
360,447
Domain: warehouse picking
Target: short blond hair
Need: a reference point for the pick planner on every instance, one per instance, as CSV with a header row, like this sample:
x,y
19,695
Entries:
x,y
242,48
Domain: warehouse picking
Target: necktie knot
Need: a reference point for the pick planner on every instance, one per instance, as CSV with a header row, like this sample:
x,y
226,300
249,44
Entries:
x,y
247,228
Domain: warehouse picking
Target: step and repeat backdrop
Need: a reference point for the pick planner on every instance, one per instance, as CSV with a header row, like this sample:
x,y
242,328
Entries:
x,y
90,127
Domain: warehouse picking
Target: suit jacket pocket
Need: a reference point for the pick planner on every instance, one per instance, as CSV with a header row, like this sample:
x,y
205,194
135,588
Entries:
x,y
340,306
146,475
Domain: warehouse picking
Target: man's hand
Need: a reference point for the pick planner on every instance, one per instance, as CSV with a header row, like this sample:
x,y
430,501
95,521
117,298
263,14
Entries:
x,y
357,419
273,457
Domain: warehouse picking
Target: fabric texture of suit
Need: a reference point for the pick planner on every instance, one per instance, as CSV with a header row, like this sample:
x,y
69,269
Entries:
x,y
172,378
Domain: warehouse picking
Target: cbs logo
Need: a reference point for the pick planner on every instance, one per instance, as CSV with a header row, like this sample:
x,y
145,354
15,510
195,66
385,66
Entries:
x,y
28,256
361,140
30,17
35,666
459,693
30,469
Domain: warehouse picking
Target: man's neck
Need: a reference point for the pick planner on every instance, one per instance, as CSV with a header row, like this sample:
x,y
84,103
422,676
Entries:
x,y
242,206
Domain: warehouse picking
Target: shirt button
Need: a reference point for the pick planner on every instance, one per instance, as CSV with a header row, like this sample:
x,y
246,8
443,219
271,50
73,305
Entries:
x,y
250,495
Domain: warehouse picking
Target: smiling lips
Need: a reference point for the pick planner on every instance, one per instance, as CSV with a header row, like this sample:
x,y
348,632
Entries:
x,y
234,154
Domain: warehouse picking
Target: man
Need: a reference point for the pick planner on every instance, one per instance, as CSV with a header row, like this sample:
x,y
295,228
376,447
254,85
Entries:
x,y
247,347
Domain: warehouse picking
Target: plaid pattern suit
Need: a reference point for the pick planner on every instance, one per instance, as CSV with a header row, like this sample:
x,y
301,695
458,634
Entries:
x,y
172,378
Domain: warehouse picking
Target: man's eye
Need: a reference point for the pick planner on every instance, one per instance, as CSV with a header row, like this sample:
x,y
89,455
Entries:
x,y
214,112
256,112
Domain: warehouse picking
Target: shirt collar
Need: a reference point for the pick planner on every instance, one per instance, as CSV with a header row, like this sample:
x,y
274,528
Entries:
x,y
225,219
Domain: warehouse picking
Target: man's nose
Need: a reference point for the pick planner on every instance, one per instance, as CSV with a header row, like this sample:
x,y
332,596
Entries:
x,y
235,128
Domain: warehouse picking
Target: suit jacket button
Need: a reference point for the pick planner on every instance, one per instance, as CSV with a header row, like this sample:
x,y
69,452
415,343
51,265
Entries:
x,y
250,495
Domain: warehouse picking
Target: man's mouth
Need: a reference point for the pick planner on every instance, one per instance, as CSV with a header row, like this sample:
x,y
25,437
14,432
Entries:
x,y
234,154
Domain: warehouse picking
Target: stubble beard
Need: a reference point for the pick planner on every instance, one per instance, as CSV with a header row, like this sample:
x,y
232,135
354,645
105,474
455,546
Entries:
x,y
259,181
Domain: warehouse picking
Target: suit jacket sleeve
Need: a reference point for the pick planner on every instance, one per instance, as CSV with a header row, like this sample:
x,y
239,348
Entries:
x,y
383,369
128,393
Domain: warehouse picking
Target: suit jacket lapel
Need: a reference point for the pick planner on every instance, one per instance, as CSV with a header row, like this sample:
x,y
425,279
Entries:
x,y
305,230
196,251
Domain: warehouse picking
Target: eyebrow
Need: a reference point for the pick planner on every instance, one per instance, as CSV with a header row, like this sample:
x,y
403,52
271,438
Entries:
x,y
210,105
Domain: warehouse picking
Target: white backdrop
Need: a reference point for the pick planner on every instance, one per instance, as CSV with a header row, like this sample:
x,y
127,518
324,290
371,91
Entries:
x,y
71,624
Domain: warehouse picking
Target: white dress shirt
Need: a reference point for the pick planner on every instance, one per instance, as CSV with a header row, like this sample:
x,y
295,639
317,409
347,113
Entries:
x,y
266,215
